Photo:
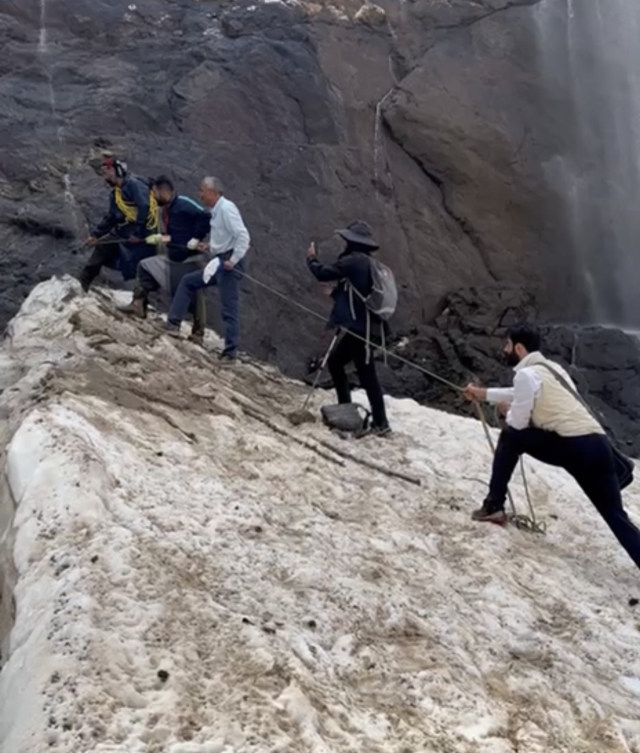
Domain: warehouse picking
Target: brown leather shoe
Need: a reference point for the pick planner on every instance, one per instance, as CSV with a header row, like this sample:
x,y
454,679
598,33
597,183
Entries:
x,y
137,308
488,514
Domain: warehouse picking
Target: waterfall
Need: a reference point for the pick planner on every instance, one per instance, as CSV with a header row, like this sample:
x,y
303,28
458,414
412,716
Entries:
x,y
43,44
381,174
44,55
590,56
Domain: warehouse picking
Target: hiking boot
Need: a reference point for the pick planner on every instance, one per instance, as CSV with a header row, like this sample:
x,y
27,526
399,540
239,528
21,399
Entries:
x,y
490,512
227,358
197,338
173,330
325,382
374,431
137,308
84,281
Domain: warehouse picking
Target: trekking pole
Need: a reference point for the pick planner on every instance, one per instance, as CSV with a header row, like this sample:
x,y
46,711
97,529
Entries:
x,y
323,365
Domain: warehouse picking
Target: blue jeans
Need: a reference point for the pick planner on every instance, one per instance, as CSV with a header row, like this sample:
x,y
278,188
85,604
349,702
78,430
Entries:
x,y
229,283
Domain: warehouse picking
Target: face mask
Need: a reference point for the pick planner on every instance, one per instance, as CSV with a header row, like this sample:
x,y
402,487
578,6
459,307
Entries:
x,y
511,359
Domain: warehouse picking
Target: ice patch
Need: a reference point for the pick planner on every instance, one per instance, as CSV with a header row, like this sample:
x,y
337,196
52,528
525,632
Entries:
x,y
191,581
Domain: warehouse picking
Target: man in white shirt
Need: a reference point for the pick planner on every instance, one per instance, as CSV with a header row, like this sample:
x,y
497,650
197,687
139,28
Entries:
x,y
228,244
549,421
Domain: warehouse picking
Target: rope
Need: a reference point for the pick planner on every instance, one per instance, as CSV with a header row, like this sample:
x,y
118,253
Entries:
x,y
522,522
382,349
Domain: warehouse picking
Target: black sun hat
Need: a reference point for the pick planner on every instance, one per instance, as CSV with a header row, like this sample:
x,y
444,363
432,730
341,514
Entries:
x,y
359,232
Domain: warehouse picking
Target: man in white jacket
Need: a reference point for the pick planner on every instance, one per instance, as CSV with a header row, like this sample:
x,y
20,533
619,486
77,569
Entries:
x,y
228,244
547,420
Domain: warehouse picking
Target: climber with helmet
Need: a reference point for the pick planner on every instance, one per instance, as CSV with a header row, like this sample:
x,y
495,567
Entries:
x,y
132,216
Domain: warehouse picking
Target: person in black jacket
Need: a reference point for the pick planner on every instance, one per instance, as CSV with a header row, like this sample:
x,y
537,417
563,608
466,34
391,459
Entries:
x,y
349,314
132,216
181,220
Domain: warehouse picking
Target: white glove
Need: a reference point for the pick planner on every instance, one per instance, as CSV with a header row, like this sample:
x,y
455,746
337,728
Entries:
x,y
193,244
211,270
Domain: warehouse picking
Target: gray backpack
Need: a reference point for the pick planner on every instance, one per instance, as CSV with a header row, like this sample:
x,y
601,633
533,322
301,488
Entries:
x,y
383,298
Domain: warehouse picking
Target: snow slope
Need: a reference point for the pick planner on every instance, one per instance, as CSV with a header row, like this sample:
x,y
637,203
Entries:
x,y
188,580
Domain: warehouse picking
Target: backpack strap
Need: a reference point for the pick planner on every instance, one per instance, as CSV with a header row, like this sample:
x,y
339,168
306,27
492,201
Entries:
x,y
564,383
624,466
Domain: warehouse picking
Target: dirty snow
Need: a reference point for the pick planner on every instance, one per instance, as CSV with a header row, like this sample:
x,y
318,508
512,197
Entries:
x,y
191,581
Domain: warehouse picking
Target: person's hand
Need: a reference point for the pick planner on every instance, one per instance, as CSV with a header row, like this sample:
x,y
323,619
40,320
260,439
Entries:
x,y
133,240
157,239
91,241
229,265
503,408
312,253
203,247
473,392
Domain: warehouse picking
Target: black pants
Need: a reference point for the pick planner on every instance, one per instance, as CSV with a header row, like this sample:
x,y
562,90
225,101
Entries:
x,y
102,256
351,349
118,255
589,459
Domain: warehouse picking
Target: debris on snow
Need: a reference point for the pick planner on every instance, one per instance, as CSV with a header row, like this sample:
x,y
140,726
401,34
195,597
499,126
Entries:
x,y
189,579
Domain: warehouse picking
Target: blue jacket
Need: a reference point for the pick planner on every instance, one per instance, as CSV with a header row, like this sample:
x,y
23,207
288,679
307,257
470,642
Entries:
x,y
351,267
134,191
183,220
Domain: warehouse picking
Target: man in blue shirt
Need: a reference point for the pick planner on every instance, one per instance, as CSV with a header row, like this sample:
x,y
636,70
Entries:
x,y
181,219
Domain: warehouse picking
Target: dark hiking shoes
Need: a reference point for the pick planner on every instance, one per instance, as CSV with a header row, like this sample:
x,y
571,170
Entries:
x,y
197,338
227,358
173,330
490,513
374,431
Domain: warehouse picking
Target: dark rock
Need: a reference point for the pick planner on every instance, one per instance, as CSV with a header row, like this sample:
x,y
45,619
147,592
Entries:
x,y
465,343
163,675
281,100
434,125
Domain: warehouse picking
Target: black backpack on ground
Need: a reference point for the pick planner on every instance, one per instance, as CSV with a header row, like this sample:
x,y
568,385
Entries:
x,y
348,417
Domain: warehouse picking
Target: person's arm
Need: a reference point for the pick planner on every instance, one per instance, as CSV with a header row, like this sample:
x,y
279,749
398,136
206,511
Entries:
x,y
201,223
499,395
526,386
329,272
236,227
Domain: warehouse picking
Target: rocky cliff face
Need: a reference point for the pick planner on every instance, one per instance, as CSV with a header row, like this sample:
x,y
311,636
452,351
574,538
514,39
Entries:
x,y
425,118
412,116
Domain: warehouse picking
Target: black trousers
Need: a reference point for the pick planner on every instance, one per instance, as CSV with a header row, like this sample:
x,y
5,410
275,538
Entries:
x,y
589,459
350,349
117,255
102,256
